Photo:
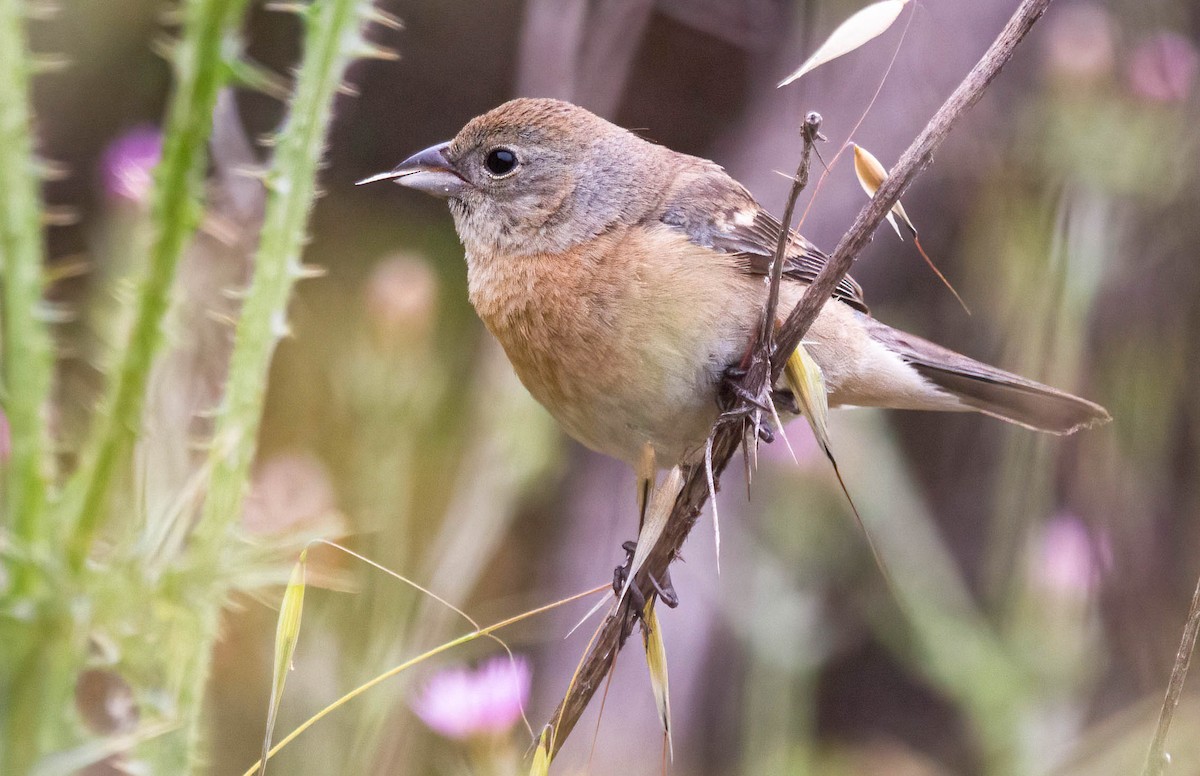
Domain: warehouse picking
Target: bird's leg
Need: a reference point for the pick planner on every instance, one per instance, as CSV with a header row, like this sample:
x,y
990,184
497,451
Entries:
x,y
621,576
646,470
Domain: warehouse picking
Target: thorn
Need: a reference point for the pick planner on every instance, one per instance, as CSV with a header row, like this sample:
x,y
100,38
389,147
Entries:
x,y
383,18
223,230
348,90
371,51
50,313
282,6
171,16
73,267
42,10
219,317
60,216
268,140
255,172
234,294
164,46
46,64
252,75
49,170
309,271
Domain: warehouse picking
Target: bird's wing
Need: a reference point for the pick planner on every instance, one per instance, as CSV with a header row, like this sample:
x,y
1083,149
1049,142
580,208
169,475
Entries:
x,y
717,212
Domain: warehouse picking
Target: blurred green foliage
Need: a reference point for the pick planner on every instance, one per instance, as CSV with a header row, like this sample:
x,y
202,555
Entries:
x,y
1037,585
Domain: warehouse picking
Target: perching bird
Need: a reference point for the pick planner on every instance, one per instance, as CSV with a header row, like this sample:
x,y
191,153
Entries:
x,y
623,279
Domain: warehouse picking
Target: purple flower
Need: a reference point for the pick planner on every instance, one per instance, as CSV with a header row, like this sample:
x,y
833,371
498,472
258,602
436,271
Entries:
x,y
128,164
459,703
1163,67
1068,561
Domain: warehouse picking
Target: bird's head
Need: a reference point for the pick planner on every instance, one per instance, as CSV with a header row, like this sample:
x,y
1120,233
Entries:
x,y
537,176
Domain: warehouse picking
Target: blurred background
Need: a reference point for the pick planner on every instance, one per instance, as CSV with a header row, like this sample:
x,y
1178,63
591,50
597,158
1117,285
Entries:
x,y
1040,584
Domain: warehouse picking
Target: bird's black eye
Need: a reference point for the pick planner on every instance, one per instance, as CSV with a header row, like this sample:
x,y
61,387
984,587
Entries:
x,y
500,161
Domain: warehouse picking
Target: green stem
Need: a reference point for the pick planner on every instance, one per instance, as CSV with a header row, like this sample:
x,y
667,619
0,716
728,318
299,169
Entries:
x,y
334,39
26,373
175,211
28,360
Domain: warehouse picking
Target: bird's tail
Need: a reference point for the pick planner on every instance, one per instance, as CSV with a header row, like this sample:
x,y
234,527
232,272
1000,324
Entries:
x,y
990,390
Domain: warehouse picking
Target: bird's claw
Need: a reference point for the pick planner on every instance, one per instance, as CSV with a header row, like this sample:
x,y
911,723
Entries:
x,y
638,597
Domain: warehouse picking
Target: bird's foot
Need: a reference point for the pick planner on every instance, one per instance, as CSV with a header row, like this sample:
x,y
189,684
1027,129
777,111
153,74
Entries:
x,y
742,404
660,587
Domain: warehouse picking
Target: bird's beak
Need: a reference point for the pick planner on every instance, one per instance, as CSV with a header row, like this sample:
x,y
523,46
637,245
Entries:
x,y
428,171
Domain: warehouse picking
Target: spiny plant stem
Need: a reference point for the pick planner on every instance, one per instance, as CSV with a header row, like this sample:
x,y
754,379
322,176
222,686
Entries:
x,y
333,40
28,360
33,689
175,212
728,437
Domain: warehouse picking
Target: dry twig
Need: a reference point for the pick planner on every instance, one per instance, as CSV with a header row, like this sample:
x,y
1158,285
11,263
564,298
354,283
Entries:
x,y
728,436
1157,758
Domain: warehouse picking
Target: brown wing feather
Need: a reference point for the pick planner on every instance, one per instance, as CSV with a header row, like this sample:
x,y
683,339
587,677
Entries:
x,y
717,212
988,389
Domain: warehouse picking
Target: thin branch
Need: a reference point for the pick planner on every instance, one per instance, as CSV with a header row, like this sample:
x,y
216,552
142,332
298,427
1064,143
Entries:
x,y
918,156
1156,758
810,132
728,436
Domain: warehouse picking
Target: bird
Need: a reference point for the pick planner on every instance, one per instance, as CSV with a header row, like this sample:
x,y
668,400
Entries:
x,y
624,280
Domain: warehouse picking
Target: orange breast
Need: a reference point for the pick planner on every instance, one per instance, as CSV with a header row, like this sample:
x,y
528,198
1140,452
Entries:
x,y
622,340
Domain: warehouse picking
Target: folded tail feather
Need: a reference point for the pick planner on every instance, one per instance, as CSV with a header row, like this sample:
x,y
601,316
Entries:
x,y
990,390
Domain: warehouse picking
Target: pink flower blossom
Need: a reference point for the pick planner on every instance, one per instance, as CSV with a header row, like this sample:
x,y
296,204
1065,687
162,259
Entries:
x,y
290,492
1163,67
1078,43
1069,559
129,162
459,703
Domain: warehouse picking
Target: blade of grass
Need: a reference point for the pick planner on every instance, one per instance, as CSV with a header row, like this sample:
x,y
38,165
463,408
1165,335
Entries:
x,y
656,662
1157,758
435,597
466,638
287,633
